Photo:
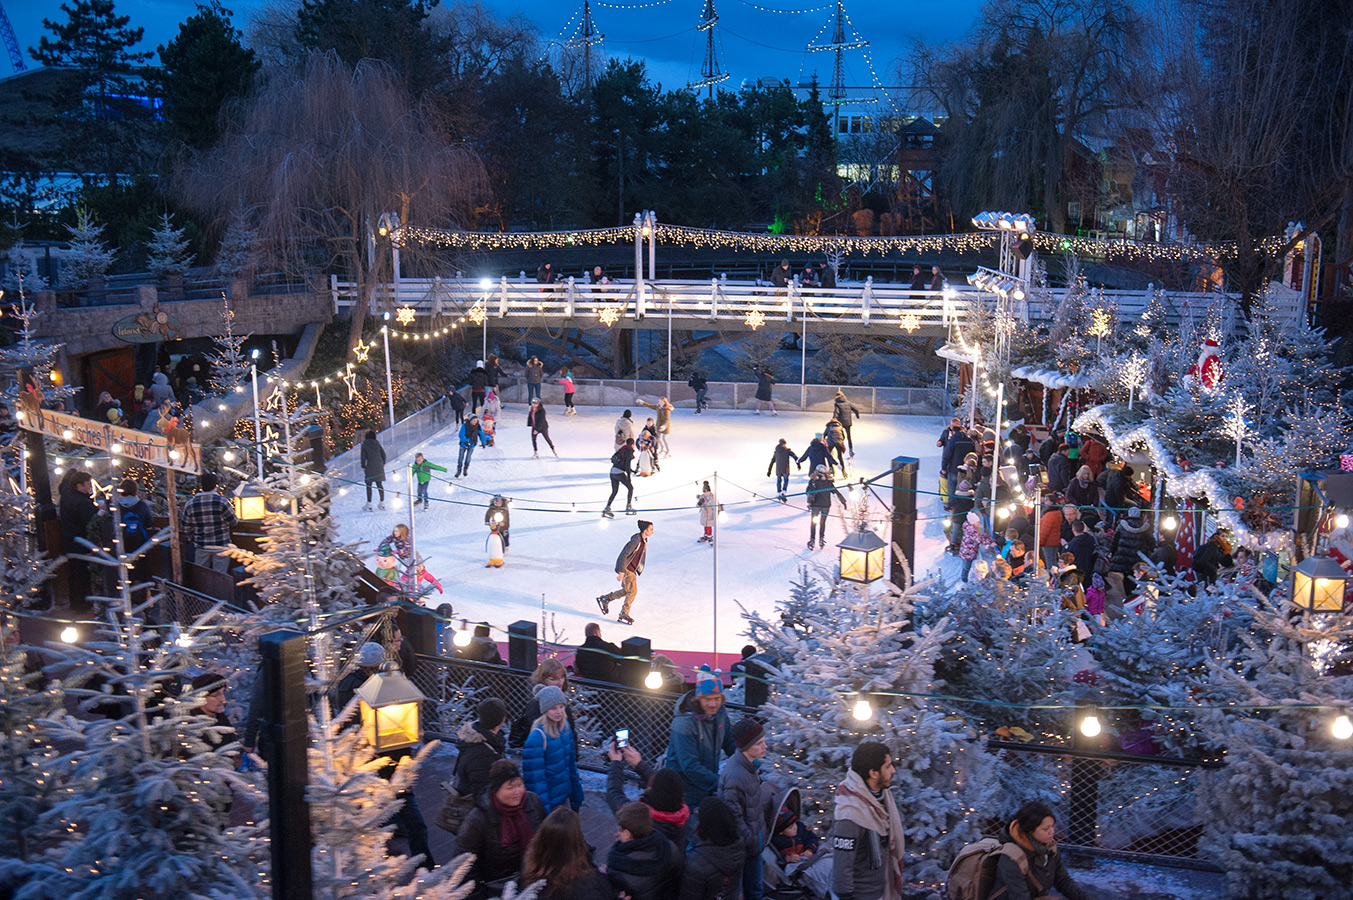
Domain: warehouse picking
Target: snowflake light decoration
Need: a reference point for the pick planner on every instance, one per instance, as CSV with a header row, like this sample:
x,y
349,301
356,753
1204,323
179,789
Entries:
x,y
755,319
478,313
609,315
405,315
910,322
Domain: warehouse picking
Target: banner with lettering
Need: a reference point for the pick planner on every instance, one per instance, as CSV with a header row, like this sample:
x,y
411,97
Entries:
x,y
172,451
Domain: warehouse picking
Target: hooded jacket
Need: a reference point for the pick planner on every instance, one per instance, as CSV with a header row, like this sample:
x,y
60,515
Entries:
x,y
696,746
1131,537
1046,871
712,872
624,430
373,459
780,460
817,454
844,411
480,835
742,789
160,390
479,750
646,868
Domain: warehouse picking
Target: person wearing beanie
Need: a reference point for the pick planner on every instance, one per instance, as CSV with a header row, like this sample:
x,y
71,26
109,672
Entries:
x,y
714,863
664,794
629,565
481,743
549,759
642,863
550,671
211,687
370,657
740,786
701,736
499,829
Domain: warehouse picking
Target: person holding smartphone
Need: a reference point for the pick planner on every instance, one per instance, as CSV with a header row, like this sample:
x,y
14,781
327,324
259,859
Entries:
x,y
663,791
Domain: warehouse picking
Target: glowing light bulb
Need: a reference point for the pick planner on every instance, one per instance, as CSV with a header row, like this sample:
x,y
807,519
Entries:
x,y
116,448
653,681
1090,725
67,434
228,456
184,640
1341,520
1169,523
69,635
862,711
462,638
221,407
1341,728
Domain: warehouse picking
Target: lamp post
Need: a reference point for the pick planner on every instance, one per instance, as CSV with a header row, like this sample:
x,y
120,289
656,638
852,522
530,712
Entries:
x,y
1319,584
389,226
389,382
485,285
258,422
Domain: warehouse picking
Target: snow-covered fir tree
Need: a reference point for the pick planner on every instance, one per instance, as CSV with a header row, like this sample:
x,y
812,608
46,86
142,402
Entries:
x,y
21,277
29,352
89,257
28,787
168,249
238,253
229,366
834,646
1277,815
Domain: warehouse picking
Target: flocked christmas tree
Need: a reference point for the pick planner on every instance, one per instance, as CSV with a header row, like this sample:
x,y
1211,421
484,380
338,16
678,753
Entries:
x,y
238,253
229,366
89,257
28,352
168,249
20,275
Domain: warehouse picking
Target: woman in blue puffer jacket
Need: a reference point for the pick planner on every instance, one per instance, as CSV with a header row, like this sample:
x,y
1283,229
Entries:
x,y
549,760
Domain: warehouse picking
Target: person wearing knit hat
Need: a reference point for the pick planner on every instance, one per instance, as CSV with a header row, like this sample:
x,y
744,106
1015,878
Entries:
x,y
500,827
629,565
740,787
549,759
664,794
370,657
211,687
480,743
701,736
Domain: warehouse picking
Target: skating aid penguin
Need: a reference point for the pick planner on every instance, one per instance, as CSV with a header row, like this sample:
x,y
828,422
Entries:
x,y
499,520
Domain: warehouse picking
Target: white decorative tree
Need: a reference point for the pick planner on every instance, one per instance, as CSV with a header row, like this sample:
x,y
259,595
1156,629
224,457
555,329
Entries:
x,y
168,249
239,249
229,366
89,256
28,352
20,274
1237,422
1132,373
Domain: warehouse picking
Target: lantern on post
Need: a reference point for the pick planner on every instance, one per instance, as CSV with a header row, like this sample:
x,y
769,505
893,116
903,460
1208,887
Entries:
x,y
862,556
1318,585
250,502
390,705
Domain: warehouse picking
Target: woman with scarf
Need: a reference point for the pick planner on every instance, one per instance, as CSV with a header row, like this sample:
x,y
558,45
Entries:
x,y
1036,867
867,842
499,829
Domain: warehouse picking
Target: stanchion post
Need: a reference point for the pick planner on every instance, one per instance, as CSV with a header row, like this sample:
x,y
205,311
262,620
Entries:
x,y
905,471
288,732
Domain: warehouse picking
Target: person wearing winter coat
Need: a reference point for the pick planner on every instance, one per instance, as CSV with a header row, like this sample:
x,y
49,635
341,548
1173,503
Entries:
x,y
457,403
622,467
664,424
1116,488
868,847
1212,557
835,436
77,509
845,412
1082,548
550,671
493,407
705,502
560,857
373,467
781,274
394,555
714,863
479,383
469,439
1060,470
624,429
975,536
422,472
629,565
662,793
1082,490
698,384
539,425
500,827
765,380
596,659
962,500
480,743
700,737
494,371
780,459
741,787
535,374
569,390
549,759
820,491
642,863
161,390
1094,454
817,454
1033,832
1132,539
955,451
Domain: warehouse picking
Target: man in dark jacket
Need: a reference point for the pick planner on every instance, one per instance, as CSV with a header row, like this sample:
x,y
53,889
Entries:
x,y
780,459
595,659
701,736
867,841
780,275
1132,537
956,450
373,467
742,789
1061,469
479,382
1082,547
629,565
817,454
845,412
481,744
642,863
77,508
698,384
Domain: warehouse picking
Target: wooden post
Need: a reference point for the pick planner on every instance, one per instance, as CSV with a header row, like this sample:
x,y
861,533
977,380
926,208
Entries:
x,y
175,547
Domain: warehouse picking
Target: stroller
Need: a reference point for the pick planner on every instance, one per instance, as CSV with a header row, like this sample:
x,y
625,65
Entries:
x,y
810,878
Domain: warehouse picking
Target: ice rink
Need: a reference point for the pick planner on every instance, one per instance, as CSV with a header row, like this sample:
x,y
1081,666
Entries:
x,y
563,552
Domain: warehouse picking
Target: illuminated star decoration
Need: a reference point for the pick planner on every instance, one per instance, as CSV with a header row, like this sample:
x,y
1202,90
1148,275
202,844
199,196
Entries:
x,y
755,319
405,315
361,351
609,315
910,322
478,313
350,379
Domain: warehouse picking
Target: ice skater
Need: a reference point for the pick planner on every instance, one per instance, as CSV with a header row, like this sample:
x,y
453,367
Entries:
x,y
469,439
622,462
629,565
705,501
845,412
647,448
835,436
821,489
780,459
373,467
539,424
698,384
422,471
569,390
817,454
664,409
765,380
624,429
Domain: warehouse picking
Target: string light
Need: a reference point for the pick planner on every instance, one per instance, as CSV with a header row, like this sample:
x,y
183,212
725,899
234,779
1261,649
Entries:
x,y
69,635
653,680
1341,728
862,711
463,637
1090,724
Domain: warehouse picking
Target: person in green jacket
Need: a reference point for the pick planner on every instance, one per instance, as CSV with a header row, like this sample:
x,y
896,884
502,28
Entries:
x,y
422,470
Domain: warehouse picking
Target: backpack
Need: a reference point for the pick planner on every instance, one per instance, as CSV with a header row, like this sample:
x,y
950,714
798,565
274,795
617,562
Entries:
x,y
134,532
974,869
617,461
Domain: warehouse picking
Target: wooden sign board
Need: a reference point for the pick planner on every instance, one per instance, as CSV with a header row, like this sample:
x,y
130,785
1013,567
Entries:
x,y
175,451
147,328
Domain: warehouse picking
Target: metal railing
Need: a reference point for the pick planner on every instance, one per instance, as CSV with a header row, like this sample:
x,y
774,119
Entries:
x,y
408,432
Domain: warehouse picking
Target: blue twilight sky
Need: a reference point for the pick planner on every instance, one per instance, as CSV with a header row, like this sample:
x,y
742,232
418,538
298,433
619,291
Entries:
x,y
757,38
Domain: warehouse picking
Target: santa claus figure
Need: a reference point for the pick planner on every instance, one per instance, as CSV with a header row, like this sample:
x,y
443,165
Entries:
x,y
1207,372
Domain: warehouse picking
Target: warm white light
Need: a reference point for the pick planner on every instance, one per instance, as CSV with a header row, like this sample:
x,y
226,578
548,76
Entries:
x,y
69,635
862,711
1169,523
253,354
1090,725
184,640
305,479
228,456
1341,520
463,636
221,406
116,448
67,434
485,284
1341,728
58,470
653,681
205,423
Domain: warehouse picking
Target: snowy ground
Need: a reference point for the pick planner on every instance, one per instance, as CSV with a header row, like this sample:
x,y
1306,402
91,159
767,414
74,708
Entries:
x,y
563,553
